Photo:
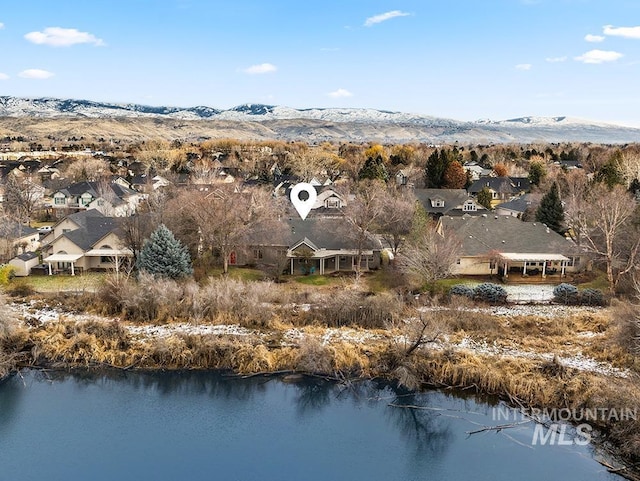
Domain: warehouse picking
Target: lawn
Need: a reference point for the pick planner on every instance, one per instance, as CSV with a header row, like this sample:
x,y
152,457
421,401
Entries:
x,y
89,281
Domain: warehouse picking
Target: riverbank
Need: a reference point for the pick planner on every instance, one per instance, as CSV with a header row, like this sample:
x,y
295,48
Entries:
x,y
553,357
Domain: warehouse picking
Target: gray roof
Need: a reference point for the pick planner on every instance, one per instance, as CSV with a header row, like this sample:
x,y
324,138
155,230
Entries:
x,y
93,229
27,256
520,204
504,185
332,233
481,235
453,199
94,188
81,217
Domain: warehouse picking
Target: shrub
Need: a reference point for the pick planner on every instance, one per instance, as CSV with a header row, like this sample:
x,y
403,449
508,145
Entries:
x,y
349,308
565,294
592,297
490,293
461,290
6,274
20,289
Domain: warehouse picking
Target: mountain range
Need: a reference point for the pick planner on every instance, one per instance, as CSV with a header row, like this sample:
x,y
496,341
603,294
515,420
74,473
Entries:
x,y
314,124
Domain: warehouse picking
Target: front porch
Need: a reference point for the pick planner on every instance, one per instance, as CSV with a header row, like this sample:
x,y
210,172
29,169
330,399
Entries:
x,y
326,262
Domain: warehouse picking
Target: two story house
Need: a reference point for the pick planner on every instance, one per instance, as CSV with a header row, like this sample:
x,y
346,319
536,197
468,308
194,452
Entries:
x,y
110,198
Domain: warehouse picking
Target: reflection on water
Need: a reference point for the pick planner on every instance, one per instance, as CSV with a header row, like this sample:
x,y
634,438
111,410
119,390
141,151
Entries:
x,y
194,425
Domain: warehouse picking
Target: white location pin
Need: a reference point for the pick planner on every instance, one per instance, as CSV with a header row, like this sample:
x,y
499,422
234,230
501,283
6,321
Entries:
x,y
303,206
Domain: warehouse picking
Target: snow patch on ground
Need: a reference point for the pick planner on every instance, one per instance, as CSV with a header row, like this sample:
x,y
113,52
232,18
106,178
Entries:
x,y
547,311
168,330
577,361
31,313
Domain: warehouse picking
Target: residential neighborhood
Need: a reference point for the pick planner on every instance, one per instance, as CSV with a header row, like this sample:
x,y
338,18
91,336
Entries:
x,y
498,234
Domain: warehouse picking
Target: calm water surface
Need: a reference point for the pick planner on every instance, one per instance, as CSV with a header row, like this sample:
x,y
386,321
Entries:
x,y
202,426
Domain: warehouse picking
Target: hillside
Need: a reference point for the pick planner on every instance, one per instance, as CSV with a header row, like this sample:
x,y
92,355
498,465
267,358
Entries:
x,y
40,117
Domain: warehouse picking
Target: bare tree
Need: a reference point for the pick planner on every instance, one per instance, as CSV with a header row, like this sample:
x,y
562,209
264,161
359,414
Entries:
x,y
227,220
398,208
574,187
364,212
609,229
21,198
429,255
89,169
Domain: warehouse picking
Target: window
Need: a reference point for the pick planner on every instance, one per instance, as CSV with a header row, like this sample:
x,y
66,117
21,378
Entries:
x,y
257,253
469,207
64,231
100,202
105,260
492,265
437,203
333,203
494,194
458,261
59,200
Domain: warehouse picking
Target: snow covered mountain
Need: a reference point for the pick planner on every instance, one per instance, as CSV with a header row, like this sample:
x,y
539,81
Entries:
x,y
335,123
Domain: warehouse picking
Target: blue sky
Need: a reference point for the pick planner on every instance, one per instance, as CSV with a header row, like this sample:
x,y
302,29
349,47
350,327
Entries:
x,y
461,59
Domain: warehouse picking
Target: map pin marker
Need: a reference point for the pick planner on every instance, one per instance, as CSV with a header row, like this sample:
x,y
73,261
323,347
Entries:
x,y
303,206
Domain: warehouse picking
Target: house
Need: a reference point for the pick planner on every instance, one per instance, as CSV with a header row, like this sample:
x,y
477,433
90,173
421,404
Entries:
x,y
402,178
518,206
16,239
502,188
328,201
148,183
23,263
438,202
475,171
504,245
315,245
86,240
108,197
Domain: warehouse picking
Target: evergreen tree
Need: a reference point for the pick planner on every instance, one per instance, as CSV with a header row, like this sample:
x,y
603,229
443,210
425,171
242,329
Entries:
x,y
437,164
164,256
537,172
610,174
374,169
550,212
484,197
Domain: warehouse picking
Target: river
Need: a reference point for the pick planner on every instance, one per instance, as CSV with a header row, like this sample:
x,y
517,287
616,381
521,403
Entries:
x,y
205,426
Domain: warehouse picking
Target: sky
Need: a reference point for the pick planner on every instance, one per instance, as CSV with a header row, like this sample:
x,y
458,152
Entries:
x,y
458,59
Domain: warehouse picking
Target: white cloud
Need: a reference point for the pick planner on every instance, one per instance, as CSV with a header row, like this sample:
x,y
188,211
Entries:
x,y
523,66
593,38
626,32
63,37
340,94
599,56
556,59
1,25
4,76
260,69
369,22
36,73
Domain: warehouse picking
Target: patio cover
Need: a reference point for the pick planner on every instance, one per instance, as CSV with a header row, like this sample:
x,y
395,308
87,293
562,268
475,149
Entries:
x,y
62,258
522,257
108,252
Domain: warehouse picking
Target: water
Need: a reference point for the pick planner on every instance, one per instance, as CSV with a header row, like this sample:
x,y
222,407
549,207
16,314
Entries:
x,y
203,426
